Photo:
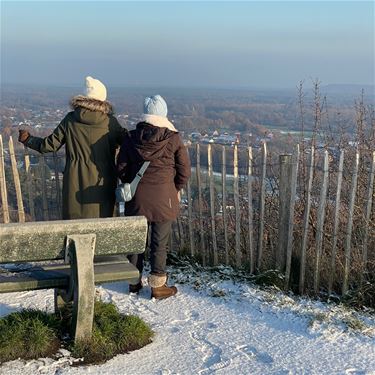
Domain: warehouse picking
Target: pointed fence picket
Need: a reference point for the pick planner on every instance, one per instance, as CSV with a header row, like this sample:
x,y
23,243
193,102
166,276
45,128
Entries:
x,y
212,205
350,225
200,205
16,180
306,218
224,203
320,221
370,193
251,257
29,185
262,205
190,217
236,197
57,186
42,169
287,193
3,184
336,221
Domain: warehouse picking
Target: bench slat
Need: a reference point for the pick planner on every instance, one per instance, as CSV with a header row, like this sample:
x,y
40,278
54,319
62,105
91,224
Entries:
x,y
57,276
45,240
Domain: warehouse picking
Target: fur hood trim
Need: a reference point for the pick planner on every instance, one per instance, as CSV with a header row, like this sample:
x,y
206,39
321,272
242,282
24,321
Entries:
x,y
91,104
158,121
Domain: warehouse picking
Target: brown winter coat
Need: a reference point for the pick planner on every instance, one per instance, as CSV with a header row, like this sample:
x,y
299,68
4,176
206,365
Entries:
x,y
169,170
91,135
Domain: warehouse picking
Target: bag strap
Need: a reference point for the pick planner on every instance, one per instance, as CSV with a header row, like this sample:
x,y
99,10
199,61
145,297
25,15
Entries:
x,y
142,169
138,176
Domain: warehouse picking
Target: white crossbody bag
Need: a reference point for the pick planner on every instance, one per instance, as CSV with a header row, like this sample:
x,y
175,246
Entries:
x,y
125,192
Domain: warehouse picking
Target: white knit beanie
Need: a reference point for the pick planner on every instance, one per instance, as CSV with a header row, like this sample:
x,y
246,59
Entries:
x,y
155,112
95,89
155,105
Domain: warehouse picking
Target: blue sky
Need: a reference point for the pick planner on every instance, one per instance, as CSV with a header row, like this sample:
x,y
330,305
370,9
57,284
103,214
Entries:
x,y
201,44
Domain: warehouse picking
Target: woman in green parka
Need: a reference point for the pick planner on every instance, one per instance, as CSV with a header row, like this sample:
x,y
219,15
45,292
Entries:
x,y
91,135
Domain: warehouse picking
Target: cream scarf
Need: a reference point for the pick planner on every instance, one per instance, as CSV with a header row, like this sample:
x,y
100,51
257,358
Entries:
x,y
159,121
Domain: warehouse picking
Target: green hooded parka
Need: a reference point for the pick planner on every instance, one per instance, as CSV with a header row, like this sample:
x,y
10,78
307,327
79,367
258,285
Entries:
x,y
91,135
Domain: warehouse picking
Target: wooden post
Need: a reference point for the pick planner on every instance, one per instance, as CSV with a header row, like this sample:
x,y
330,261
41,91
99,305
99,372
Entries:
x,y
170,240
30,190
336,222
237,207
262,202
201,230
57,185
44,187
320,222
212,205
224,203
284,200
181,236
17,184
368,214
348,237
288,187
3,184
250,208
306,222
190,216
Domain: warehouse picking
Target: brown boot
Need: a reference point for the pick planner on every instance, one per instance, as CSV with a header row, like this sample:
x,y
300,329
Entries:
x,y
159,287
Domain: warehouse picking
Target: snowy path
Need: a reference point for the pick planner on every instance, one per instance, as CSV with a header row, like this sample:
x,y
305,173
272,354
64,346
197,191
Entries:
x,y
243,331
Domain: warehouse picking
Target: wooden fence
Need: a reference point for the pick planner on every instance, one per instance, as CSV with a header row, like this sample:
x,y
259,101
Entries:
x,y
308,214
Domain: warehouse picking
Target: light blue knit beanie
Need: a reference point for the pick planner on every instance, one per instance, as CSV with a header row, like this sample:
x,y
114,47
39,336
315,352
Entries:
x,y
155,105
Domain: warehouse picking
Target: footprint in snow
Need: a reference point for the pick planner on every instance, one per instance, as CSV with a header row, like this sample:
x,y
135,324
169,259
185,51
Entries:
x,y
252,352
194,315
353,371
211,326
212,360
142,304
190,316
165,372
219,365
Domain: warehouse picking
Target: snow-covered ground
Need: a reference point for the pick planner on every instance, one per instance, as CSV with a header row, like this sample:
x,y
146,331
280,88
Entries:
x,y
216,326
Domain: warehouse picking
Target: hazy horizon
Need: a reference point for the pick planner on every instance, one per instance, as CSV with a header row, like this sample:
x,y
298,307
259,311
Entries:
x,y
202,45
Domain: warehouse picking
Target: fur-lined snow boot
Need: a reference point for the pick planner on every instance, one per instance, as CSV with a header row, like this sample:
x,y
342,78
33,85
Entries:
x,y
135,288
159,287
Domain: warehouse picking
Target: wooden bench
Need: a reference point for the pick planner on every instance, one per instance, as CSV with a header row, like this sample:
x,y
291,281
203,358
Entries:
x,y
89,253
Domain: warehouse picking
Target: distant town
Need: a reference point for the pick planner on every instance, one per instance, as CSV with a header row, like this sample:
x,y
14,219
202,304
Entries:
x,y
207,117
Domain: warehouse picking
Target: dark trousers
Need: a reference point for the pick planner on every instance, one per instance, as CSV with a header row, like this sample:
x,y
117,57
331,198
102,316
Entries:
x,y
157,242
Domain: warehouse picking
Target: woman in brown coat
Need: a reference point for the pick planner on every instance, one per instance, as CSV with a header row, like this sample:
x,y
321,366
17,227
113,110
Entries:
x,y
156,140
91,135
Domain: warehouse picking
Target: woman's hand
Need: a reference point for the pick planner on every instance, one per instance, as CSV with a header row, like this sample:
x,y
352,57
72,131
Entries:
x,y
23,136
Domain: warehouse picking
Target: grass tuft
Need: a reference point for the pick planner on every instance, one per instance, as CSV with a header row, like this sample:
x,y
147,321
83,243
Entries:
x,y
272,278
113,333
362,296
31,334
28,334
